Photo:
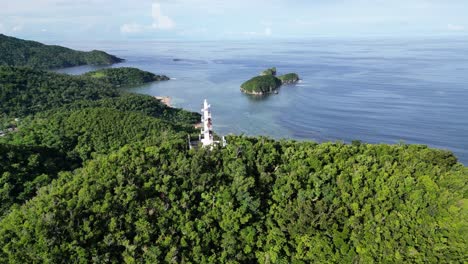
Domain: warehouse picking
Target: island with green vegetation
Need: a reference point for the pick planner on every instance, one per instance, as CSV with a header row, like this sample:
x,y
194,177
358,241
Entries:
x,y
260,85
289,78
93,174
18,52
268,82
125,76
270,71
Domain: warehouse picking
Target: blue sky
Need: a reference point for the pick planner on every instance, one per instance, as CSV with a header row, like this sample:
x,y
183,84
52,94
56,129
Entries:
x,y
236,19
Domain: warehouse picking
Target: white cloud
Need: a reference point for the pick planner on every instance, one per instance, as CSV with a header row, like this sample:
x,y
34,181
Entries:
x,y
160,21
452,27
183,17
250,33
17,28
193,32
132,28
305,22
265,33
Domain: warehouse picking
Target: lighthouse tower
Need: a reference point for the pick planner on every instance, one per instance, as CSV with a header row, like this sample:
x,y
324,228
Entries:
x,y
207,130
206,137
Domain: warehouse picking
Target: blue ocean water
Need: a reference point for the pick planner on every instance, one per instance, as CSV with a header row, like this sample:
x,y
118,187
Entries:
x,y
376,91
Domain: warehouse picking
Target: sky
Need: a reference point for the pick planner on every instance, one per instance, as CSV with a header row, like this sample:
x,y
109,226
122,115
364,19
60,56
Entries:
x,y
236,19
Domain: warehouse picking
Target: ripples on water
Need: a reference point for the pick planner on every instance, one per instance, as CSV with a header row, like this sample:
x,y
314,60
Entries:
x,y
377,91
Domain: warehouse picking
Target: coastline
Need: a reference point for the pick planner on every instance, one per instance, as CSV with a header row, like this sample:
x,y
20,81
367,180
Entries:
x,y
165,100
259,93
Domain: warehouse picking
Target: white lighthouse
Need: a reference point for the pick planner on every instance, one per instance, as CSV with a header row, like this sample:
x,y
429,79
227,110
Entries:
x,y
206,135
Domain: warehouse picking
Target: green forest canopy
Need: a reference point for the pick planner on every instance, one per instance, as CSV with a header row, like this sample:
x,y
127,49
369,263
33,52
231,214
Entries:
x,y
92,174
25,91
24,169
261,84
18,52
92,130
61,140
289,78
257,200
139,103
125,76
270,71
268,82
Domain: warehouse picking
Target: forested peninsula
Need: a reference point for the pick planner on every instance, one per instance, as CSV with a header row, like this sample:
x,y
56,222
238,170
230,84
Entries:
x,y
27,91
92,174
18,52
125,76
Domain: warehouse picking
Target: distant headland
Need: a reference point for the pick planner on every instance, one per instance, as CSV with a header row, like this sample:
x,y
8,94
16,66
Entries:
x,y
19,52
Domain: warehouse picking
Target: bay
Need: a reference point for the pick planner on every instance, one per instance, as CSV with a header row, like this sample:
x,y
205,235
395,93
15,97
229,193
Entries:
x,y
373,90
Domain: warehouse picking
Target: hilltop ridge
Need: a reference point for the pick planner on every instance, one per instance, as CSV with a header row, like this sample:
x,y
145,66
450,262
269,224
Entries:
x,y
19,52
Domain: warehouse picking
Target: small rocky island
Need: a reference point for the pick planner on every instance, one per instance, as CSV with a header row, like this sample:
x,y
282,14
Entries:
x,y
290,78
268,82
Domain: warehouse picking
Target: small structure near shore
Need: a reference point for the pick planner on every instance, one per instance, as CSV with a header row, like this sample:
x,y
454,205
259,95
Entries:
x,y
206,137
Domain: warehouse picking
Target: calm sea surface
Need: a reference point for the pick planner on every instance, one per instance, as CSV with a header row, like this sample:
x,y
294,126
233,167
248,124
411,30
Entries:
x,y
377,91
